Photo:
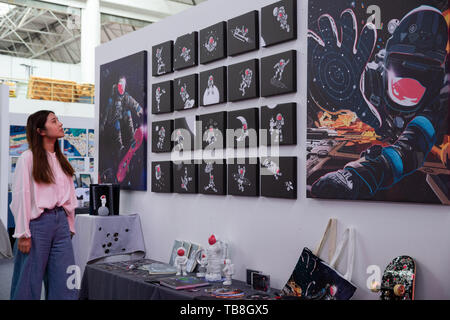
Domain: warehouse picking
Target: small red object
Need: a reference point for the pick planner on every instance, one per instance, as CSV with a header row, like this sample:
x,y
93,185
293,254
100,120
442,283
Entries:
x,y
212,240
180,252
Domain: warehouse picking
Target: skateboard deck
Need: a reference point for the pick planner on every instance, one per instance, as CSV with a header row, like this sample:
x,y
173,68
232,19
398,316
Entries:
x,y
125,163
398,280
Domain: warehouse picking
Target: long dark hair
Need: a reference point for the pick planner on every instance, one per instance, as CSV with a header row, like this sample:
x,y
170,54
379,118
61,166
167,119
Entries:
x,y
42,173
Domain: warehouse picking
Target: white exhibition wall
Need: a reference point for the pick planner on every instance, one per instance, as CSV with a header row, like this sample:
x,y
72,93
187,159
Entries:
x,y
269,234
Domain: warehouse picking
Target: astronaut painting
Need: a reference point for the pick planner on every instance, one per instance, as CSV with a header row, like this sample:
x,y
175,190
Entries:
x,y
213,86
122,123
213,130
279,125
162,177
212,42
185,177
279,74
243,80
279,177
378,101
162,97
279,22
243,33
243,177
212,177
185,52
161,136
244,124
162,58
185,92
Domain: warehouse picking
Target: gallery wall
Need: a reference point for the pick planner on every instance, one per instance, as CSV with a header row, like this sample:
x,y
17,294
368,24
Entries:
x,y
269,234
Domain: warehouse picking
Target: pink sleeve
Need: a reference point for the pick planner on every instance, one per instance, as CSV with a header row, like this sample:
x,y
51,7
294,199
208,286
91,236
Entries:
x,y
21,197
73,203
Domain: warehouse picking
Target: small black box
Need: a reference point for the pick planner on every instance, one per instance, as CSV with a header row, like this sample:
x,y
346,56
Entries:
x,y
112,193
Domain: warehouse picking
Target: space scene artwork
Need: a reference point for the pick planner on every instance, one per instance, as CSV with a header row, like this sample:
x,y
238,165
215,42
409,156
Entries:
x,y
377,102
123,122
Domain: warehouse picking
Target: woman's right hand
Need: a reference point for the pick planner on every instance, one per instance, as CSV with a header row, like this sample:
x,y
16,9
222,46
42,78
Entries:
x,y
24,245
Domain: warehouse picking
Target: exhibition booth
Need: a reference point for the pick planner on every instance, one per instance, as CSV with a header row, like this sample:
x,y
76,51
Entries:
x,y
271,150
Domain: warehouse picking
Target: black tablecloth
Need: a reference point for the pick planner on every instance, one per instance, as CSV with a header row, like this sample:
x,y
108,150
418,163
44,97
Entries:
x,y
112,281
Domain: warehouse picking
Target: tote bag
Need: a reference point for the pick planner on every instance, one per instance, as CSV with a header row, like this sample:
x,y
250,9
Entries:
x,y
314,279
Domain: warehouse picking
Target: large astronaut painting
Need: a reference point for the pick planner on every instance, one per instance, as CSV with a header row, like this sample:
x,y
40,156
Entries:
x,y
378,100
123,122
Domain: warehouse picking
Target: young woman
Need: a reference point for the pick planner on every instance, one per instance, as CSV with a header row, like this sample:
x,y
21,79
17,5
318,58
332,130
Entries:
x,y
43,205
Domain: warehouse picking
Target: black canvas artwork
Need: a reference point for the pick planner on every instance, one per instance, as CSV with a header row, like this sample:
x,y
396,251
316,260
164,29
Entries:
x,y
243,177
184,134
213,130
162,97
279,73
245,125
162,59
279,22
243,80
243,33
279,125
162,177
161,136
213,43
213,177
185,92
185,177
213,86
185,52
123,122
279,177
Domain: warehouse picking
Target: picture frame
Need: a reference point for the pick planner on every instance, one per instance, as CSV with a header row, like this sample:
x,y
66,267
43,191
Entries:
x,y
213,86
244,128
279,73
185,177
279,177
243,177
243,33
162,58
213,43
162,177
185,52
213,130
161,136
162,97
279,22
278,125
185,92
213,177
243,80
122,146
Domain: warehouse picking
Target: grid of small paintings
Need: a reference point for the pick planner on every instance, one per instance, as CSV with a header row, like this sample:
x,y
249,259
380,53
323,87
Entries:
x,y
270,125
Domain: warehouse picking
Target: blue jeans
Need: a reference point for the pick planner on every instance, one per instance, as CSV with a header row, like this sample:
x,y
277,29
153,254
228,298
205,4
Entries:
x,y
50,255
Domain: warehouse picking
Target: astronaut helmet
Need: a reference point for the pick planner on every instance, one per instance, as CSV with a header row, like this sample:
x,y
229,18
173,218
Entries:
x,y
210,81
122,85
181,251
414,60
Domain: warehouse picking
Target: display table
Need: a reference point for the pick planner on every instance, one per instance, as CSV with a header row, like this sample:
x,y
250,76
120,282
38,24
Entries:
x,y
107,239
107,281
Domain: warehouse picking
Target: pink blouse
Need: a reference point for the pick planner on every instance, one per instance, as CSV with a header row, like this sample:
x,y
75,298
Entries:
x,y
29,198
